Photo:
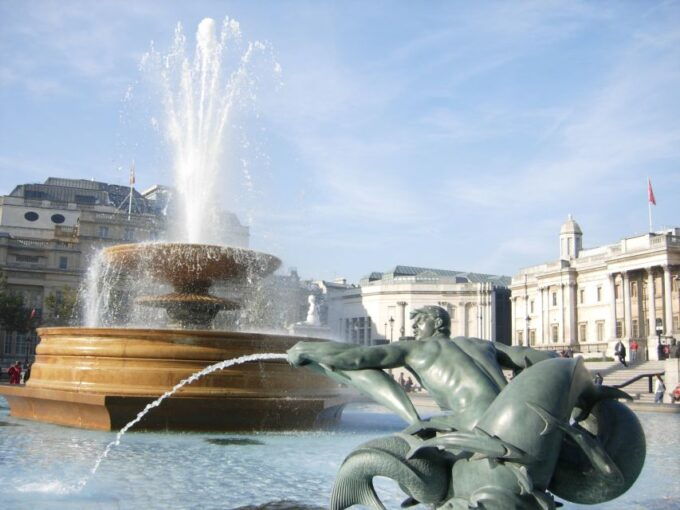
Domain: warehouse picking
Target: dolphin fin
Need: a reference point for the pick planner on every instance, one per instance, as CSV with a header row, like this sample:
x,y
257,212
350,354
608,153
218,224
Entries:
x,y
481,445
604,392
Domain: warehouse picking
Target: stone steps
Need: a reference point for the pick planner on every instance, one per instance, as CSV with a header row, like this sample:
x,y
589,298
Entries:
x,y
614,373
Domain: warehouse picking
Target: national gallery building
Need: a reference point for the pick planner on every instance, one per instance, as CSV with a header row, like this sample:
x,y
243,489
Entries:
x,y
588,299
378,309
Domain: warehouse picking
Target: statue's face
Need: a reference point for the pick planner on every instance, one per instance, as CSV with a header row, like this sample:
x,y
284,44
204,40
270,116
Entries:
x,y
424,326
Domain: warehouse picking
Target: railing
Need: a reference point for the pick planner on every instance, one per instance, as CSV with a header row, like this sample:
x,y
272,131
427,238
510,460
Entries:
x,y
637,378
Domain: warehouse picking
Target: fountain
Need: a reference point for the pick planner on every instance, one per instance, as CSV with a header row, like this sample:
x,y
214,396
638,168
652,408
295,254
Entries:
x,y
100,377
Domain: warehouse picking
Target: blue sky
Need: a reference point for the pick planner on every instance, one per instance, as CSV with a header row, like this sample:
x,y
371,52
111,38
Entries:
x,y
455,135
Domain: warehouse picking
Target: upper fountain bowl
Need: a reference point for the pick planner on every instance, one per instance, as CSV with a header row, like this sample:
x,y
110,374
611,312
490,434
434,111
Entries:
x,y
191,265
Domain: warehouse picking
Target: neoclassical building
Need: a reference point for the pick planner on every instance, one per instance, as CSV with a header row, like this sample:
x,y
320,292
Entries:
x,y
377,310
588,299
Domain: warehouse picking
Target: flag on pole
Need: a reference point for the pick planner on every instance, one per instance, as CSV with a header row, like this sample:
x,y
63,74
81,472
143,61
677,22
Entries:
x,y
33,313
132,174
650,192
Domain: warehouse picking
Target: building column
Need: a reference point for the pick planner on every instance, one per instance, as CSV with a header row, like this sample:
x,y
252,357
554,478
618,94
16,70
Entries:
x,y
652,340
463,319
667,301
402,318
563,326
612,307
492,319
539,326
627,308
571,314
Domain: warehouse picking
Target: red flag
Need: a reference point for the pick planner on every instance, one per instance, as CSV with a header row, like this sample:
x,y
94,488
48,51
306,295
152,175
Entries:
x,y
650,192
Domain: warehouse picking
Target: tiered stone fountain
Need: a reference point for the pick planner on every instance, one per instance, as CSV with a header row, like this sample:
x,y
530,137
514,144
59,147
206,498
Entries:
x,y
100,378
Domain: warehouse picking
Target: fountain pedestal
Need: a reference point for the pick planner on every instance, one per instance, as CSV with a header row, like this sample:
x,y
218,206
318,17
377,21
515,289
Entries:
x,y
101,378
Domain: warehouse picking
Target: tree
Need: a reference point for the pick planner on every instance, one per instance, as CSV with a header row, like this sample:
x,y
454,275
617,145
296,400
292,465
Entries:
x,y
61,307
14,316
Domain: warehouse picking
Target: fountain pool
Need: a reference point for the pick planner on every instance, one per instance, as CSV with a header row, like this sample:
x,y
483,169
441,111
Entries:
x,y
39,461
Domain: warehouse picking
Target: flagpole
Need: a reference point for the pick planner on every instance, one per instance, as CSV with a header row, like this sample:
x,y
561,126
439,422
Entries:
x,y
650,200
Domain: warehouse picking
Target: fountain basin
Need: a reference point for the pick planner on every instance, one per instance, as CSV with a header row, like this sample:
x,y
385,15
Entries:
x,y
100,378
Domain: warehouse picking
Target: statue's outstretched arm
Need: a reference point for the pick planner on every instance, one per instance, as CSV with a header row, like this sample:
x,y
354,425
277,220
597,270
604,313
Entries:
x,y
342,356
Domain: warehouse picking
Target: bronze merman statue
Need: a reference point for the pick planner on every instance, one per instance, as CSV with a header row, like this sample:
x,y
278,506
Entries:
x,y
500,445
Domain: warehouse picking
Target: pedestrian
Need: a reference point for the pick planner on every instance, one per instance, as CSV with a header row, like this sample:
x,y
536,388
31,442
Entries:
x,y
620,351
675,396
598,379
14,372
674,351
634,346
569,353
402,381
409,384
659,390
27,374
659,350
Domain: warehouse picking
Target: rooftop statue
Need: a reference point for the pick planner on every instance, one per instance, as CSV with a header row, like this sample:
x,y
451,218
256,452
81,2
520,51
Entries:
x,y
497,444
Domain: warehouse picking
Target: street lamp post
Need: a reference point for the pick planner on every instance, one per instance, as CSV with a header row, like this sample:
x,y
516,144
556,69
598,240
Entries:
x,y
391,321
528,321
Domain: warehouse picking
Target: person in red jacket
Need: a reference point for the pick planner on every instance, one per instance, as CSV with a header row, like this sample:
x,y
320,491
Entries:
x,y
15,373
634,346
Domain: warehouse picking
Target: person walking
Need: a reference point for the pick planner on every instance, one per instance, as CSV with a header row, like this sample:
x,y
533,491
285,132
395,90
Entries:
x,y
620,351
659,390
674,351
598,379
634,346
15,373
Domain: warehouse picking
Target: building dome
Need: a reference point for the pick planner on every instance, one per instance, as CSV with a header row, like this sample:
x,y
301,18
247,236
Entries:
x,y
570,227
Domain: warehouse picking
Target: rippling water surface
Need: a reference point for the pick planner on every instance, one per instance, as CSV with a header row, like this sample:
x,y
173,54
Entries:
x,y
39,463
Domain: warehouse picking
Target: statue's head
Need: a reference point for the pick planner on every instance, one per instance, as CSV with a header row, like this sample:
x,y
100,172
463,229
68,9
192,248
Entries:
x,y
430,320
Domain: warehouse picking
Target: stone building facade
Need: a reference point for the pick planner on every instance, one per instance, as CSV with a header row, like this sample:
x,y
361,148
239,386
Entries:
x,y
50,231
378,309
588,299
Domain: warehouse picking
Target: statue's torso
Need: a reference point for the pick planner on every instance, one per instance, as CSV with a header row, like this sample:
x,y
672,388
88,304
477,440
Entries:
x,y
458,377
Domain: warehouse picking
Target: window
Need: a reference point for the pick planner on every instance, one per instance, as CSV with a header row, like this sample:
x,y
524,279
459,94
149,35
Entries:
x,y
360,330
581,296
619,329
7,348
555,333
129,234
532,337
599,294
63,262
617,291
31,216
582,329
520,337
676,322
636,329
22,344
103,232
600,331
531,306
554,298
633,289
32,259
58,218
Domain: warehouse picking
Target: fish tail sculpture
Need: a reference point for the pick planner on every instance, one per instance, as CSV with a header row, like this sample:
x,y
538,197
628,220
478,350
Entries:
x,y
425,479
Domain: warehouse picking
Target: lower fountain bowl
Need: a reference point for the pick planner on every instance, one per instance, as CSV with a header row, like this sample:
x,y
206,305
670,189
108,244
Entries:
x,y
100,378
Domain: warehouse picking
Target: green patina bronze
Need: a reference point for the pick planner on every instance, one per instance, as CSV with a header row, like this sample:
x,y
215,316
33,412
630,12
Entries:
x,y
497,444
